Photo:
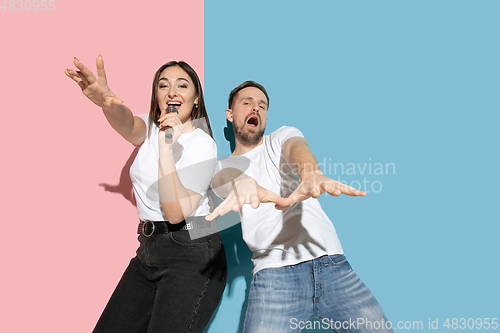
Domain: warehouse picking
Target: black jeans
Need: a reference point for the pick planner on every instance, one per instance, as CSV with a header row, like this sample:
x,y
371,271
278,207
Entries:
x,y
173,285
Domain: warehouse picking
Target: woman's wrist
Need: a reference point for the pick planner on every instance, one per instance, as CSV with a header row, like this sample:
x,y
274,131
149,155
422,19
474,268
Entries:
x,y
165,147
113,109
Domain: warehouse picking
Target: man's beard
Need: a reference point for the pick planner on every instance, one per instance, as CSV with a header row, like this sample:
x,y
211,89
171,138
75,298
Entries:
x,y
248,138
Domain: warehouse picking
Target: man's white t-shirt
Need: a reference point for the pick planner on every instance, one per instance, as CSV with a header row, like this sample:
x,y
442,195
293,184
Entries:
x,y
280,238
195,155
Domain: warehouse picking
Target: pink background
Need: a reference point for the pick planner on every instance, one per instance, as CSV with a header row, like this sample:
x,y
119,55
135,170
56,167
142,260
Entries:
x,y
66,240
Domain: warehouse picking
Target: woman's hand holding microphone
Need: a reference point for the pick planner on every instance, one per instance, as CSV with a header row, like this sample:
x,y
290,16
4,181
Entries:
x,y
171,127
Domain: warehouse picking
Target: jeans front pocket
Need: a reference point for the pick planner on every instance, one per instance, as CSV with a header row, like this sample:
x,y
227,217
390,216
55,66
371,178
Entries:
x,y
183,238
337,259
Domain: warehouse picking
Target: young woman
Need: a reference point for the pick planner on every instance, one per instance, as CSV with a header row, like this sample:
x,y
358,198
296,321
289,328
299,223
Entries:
x,y
178,276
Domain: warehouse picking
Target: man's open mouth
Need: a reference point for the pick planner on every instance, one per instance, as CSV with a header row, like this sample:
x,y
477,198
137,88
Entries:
x,y
253,121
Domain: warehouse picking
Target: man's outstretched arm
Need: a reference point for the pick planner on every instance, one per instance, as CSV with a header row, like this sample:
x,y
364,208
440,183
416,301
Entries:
x,y
312,181
238,189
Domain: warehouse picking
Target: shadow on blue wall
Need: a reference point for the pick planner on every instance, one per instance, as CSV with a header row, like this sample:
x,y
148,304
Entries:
x,y
238,254
238,264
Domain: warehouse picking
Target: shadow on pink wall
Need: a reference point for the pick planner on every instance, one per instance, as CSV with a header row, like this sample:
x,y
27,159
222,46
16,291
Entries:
x,y
124,187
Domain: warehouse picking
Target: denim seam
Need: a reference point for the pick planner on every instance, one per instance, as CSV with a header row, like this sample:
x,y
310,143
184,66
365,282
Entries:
x,y
192,245
210,256
337,263
148,253
146,318
321,282
315,282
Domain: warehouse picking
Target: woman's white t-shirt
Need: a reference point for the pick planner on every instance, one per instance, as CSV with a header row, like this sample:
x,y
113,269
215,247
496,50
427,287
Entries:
x,y
195,155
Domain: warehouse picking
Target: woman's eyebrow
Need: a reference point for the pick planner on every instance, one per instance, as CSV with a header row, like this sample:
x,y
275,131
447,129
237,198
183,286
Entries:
x,y
178,79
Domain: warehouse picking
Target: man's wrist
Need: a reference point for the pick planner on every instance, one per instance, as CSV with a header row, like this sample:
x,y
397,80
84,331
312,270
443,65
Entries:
x,y
243,179
309,173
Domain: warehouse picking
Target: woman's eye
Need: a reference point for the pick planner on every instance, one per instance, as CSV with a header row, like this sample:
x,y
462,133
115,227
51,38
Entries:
x,y
163,86
182,86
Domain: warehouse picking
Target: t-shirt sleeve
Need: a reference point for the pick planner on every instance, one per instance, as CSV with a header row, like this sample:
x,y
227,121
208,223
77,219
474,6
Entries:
x,y
234,162
284,133
197,166
145,118
278,138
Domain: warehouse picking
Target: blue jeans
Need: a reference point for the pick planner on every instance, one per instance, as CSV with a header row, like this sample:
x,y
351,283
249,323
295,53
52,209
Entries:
x,y
172,285
283,299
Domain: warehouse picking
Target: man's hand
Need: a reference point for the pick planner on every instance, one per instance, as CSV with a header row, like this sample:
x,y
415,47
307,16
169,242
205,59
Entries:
x,y
247,191
314,184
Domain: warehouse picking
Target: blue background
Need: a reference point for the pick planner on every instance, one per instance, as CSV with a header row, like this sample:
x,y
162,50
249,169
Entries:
x,y
413,83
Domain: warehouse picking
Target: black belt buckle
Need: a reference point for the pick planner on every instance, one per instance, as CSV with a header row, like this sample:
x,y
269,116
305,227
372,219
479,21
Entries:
x,y
144,227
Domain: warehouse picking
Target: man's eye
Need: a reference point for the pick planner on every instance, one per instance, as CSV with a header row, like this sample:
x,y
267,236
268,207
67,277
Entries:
x,y
262,107
246,103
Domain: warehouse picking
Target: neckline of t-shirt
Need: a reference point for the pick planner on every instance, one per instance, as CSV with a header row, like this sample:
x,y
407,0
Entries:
x,y
255,149
184,133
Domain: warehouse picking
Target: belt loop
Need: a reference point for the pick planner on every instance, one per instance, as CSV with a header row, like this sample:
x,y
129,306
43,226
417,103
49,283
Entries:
x,y
325,260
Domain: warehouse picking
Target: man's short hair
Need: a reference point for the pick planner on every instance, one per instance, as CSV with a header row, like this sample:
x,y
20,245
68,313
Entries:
x,y
244,85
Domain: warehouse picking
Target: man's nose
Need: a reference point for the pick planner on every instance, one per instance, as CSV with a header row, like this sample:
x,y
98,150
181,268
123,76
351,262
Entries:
x,y
255,108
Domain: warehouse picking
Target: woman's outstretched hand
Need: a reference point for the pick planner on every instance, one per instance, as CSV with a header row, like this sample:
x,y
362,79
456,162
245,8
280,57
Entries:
x,y
96,89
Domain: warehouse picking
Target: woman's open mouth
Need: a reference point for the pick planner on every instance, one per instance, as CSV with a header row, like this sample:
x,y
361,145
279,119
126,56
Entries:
x,y
175,104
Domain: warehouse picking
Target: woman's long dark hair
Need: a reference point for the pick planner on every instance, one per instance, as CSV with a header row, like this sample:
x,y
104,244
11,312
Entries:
x,y
196,113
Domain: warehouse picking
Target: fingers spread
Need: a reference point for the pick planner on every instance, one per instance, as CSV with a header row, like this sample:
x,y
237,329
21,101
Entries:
x,y
297,197
331,189
72,75
315,192
87,72
77,77
211,216
283,203
254,201
348,190
221,210
101,74
336,188
84,79
238,204
117,101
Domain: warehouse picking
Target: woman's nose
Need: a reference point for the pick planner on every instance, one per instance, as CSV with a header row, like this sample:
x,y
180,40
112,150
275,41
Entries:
x,y
172,92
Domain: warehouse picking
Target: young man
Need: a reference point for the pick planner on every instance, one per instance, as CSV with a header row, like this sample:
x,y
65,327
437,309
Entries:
x,y
299,267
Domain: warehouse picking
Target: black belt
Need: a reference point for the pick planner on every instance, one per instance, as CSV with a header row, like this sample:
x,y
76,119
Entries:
x,y
149,228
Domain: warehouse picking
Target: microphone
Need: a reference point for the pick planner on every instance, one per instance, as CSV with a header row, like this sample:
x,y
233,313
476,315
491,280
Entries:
x,y
169,132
